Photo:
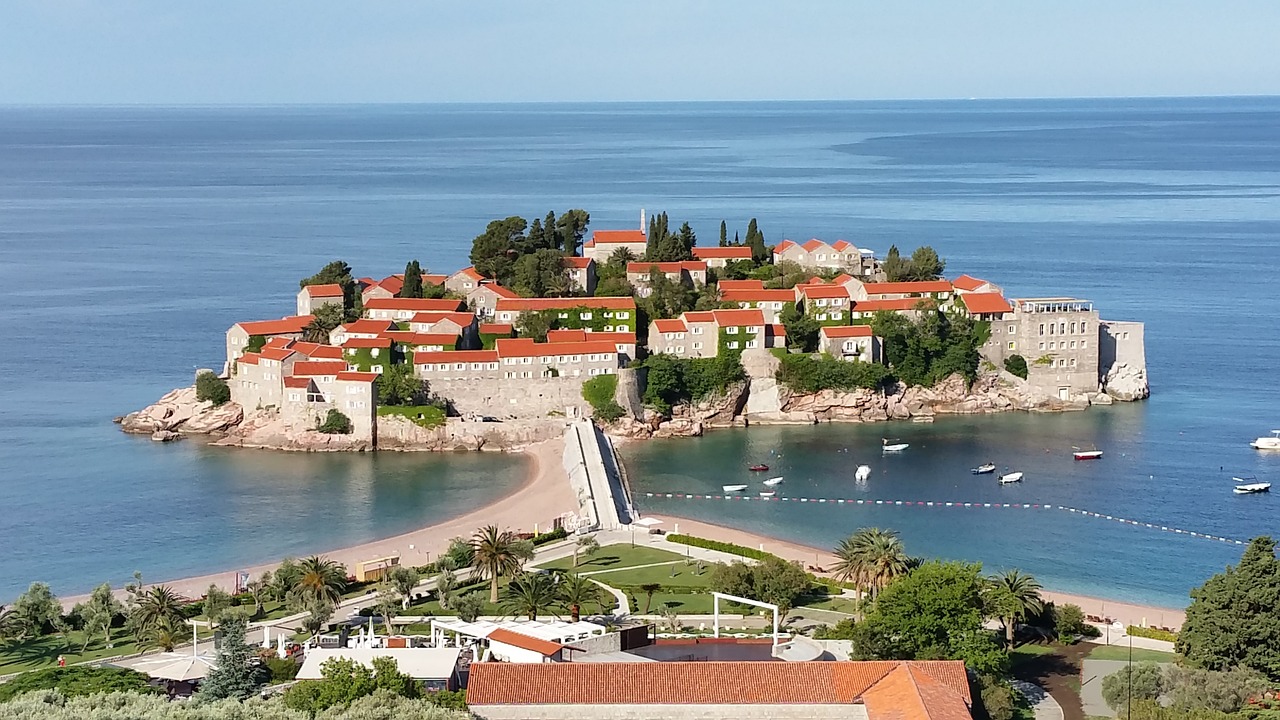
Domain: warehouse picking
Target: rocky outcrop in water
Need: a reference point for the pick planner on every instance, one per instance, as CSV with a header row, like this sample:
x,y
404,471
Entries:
x,y
397,433
180,412
1126,382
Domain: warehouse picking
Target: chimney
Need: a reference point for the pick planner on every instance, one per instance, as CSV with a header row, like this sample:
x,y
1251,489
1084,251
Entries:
x,y
643,227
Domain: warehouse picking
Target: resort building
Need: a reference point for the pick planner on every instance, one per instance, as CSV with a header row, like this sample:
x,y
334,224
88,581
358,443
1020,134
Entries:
x,y
484,297
414,341
604,243
1121,343
241,335
369,354
624,342
363,328
436,668
732,690
690,273
850,342
383,289
752,295
839,255
718,257
699,334
403,309
316,387
864,311
828,304
968,284
313,297
456,365
462,282
441,322
521,358
608,314
582,274
1059,338
939,290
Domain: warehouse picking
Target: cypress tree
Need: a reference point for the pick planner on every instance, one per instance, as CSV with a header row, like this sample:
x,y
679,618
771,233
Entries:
x,y
755,239
724,234
550,234
412,287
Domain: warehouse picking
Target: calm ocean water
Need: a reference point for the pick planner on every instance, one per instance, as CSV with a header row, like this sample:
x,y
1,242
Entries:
x,y
131,238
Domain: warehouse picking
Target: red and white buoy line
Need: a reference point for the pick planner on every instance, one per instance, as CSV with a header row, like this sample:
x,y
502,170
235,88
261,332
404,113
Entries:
x,y
939,504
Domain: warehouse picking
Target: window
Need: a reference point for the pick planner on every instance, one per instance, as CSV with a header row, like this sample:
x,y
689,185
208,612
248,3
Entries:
x,y
777,306
377,368
1051,327
1073,362
752,344
442,366
697,346
733,345
526,361
1125,335
295,397
1053,346
564,358
493,366
545,360
696,331
1073,344
1012,345
608,313
731,330
508,361
1041,344
460,366
1082,328
1073,328
577,358
836,315
477,366
1084,344
679,349
564,316
821,302
1013,329
375,352
753,329
1062,328
820,316
821,257
669,336
622,314
679,336
510,375
584,316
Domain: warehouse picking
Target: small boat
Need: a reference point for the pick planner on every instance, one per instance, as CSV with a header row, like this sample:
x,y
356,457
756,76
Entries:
x,y
733,488
766,493
984,469
1090,454
892,445
1267,443
758,468
1250,484
772,481
922,419
863,472
1012,477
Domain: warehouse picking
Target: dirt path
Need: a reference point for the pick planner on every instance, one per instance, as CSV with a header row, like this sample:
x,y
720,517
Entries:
x,y
1058,673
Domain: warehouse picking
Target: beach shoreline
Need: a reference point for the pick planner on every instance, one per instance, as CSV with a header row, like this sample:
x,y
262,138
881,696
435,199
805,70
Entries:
x,y
544,495
811,557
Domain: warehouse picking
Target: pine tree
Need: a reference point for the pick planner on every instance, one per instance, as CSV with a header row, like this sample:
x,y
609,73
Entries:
x,y
724,234
236,676
755,240
412,287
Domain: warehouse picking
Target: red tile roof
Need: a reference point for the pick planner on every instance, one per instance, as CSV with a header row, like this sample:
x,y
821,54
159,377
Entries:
x,y
249,358
497,328
279,342
448,340
332,290
378,342
449,356
843,278
283,326
469,272
891,305
353,376
436,279
305,368
784,246
461,319
698,316
814,244
619,236
673,325
546,648
648,267
316,350
562,336
367,326
778,330
912,693
578,263
724,285
416,304
983,303
297,382
523,304
842,245
392,284
845,331
727,318
968,282
526,347
737,252
757,295
275,353
497,289
823,291
716,683
922,286
617,337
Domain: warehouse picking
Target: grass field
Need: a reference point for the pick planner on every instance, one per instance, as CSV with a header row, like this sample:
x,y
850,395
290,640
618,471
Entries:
x,y
613,557
1121,652
42,652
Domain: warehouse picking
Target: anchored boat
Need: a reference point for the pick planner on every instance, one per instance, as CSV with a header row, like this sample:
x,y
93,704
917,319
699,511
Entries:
x,y
1090,454
862,473
766,493
892,445
1267,443
773,481
984,469
758,468
733,488
1249,485
1012,477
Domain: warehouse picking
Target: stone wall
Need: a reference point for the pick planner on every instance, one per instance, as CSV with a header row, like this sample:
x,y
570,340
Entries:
x,y
628,395
527,399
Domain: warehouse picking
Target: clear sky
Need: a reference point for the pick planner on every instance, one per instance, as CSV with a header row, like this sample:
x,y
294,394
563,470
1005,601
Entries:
x,y
303,51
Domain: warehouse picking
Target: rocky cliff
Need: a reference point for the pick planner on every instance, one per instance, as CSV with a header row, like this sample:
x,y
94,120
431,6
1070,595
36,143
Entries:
x,y
1126,382
178,414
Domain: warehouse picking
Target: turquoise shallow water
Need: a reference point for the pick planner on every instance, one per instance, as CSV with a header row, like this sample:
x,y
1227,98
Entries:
x,y
131,238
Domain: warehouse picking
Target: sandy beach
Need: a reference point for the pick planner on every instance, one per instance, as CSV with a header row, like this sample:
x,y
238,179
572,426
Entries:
x,y
1126,613
544,496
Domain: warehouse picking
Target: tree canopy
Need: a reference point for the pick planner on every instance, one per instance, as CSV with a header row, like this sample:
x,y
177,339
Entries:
x,y
1234,617
412,286
924,264
503,251
337,273
772,580
76,681
237,675
665,246
924,351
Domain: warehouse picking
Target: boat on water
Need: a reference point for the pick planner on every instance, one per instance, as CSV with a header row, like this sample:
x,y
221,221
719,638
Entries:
x,y
1012,477
984,469
1090,454
862,473
1267,443
758,468
1249,485
766,493
773,481
733,488
892,445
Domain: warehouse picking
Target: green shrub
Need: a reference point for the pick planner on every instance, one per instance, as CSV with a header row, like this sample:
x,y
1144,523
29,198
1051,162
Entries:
x,y
212,388
1153,633
598,391
1016,365
724,547
673,381
76,681
335,424
549,537
256,343
282,669
809,373
425,416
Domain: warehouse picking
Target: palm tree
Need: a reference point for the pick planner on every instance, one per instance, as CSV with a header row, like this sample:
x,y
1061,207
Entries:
x,y
871,559
495,556
1012,597
165,634
316,332
530,594
649,589
157,606
320,578
576,592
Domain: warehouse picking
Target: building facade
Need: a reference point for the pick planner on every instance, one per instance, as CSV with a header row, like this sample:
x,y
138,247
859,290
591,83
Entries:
x,y
313,297
840,255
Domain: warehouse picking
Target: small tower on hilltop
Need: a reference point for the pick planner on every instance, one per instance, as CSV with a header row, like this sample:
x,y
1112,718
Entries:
x,y
643,228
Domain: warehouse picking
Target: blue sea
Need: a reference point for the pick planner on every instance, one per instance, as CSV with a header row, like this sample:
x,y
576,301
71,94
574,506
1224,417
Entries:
x,y
131,238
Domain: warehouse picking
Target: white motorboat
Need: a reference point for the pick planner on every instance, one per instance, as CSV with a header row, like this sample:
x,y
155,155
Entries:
x,y
766,493
773,481
984,469
892,445
863,472
1092,454
1012,477
733,488
1267,443
1247,485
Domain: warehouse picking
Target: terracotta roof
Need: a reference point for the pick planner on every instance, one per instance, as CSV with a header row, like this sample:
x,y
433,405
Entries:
x,y
727,318
469,272
378,342
416,304
546,648
562,336
249,358
648,267
922,286
279,341
892,305
736,252
843,278
297,382
845,331
912,693
435,279
332,290
778,330
619,236
526,347
673,325
578,263
522,304
784,246
283,326
316,350
842,245
304,368
823,291
983,303
496,289
740,285
448,356
713,683
617,337
461,319
353,376
392,283
757,295
814,244
368,326
275,353
497,328
968,282
698,316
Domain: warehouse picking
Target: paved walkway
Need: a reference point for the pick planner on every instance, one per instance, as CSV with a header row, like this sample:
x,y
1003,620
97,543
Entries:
x,y
1042,703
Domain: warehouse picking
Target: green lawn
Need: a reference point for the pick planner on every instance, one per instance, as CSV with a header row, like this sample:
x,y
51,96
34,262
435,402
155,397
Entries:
x,y
1121,652
42,652
834,604
676,575
613,557
427,416
1026,653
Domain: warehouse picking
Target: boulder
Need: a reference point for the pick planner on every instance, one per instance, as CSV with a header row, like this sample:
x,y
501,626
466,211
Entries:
x,y
179,411
1126,382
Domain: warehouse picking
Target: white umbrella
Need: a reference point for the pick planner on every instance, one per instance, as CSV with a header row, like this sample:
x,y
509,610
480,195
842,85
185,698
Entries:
x,y
186,668
648,522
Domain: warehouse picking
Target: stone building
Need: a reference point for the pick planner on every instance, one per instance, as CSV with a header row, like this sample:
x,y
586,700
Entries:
x,y
464,281
828,304
240,335
840,255
717,257
484,298
690,273
699,334
850,342
752,294
313,297
1059,338
315,388
604,243
607,314
403,309
582,274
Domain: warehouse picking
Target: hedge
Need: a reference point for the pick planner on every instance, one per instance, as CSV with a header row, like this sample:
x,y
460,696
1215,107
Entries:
x,y
599,391
723,547
808,373
548,537
1153,633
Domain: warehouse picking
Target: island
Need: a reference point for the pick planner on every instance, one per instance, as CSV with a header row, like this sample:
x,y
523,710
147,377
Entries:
x,y
649,334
